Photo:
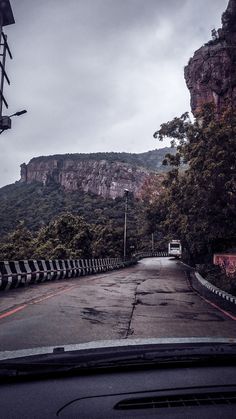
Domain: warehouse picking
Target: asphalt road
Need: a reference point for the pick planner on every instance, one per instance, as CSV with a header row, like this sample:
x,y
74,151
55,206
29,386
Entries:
x,y
152,299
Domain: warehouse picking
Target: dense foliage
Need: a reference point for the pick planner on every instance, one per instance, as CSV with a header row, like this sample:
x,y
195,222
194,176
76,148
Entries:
x,y
46,222
37,205
65,236
199,205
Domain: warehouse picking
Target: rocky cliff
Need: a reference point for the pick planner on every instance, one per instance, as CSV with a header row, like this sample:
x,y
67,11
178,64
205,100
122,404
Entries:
x,y
211,73
105,177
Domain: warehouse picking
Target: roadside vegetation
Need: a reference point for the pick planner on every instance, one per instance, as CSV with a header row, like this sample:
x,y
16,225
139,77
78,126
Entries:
x,y
217,276
198,206
69,236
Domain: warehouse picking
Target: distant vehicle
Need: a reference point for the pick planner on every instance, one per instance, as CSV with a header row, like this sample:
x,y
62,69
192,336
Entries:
x,y
175,248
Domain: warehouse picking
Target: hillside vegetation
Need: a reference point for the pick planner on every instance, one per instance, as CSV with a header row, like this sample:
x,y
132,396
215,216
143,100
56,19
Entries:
x,y
31,213
199,206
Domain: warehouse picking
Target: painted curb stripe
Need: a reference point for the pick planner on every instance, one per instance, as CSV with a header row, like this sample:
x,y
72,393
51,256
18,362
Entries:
x,y
9,313
219,308
15,310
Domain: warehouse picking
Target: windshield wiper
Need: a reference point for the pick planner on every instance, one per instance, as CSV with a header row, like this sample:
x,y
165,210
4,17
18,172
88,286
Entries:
x,y
79,363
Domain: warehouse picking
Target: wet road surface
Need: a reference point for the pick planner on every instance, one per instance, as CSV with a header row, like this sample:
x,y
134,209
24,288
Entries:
x,y
152,299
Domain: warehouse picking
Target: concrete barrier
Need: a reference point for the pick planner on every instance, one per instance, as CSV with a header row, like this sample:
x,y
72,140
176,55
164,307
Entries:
x,y
14,274
6,277
34,271
83,268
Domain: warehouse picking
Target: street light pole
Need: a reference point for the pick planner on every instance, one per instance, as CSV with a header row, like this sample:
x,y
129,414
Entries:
x,y
126,192
3,65
6,18
152,242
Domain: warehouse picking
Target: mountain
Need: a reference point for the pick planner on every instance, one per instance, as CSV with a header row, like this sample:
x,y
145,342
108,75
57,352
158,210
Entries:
x,y
103,174
211,73
91,185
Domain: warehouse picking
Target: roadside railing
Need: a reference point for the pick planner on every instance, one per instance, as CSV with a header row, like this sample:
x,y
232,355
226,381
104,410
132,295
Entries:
x,y
142,255
14,274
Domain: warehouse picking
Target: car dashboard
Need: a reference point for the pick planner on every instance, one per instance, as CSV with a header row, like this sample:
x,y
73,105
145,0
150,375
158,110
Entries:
x,y
176,392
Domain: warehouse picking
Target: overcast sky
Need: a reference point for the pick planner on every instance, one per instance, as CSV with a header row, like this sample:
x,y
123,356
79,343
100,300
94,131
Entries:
x,y
98,75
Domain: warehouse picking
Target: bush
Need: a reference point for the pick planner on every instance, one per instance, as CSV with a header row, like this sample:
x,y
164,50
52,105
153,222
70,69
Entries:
x,y
217,277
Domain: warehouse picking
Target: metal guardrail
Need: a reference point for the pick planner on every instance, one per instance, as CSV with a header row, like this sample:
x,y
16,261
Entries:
x,y
142,255
217,296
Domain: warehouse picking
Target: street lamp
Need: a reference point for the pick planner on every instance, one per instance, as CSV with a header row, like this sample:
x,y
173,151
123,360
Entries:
x,y
126,193
19,113
5,121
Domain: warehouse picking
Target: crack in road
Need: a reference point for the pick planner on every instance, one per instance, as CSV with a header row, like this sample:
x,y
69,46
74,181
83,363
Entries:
x,y
129,330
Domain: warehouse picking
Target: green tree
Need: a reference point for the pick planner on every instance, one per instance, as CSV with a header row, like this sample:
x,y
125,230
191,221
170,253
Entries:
x,y
67,236
108,240
199,205
19,244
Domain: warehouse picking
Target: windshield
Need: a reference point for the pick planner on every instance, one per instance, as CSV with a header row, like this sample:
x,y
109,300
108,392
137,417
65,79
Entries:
x,y
118,151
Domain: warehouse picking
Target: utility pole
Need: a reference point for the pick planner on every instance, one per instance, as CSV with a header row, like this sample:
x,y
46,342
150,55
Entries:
x,y
6,18
152,242
126,193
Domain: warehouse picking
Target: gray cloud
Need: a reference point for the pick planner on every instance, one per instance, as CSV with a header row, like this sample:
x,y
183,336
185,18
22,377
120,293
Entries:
x,y
98,75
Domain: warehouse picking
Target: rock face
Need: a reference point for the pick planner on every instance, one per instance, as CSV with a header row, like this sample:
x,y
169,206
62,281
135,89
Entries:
x,y
100,177
211,74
